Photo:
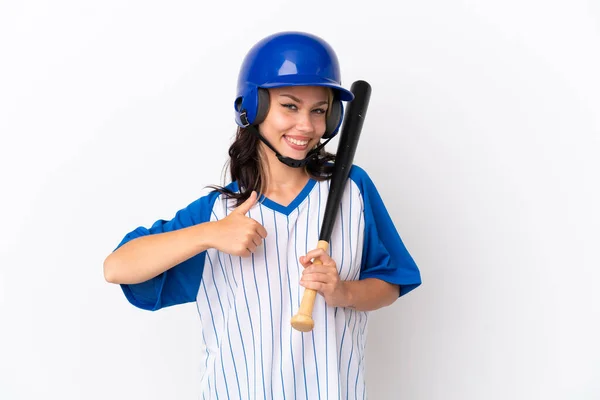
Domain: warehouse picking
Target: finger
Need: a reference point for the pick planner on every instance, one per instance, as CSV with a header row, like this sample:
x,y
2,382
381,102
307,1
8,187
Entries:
x,y
318,286
317,277
257,240
321,269
321,261
261,230
246,205
306,262
245,253
318,254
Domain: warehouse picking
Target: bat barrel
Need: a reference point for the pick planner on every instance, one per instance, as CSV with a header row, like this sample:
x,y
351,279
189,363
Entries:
x,y
353,121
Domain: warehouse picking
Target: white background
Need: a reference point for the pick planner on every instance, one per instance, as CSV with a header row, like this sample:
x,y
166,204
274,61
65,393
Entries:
x,y
483,136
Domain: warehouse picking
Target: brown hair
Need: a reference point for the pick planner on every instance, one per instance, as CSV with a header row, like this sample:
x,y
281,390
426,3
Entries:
x,y
246,169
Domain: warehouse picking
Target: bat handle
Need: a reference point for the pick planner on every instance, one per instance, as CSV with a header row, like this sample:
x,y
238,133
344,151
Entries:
x,y
303,321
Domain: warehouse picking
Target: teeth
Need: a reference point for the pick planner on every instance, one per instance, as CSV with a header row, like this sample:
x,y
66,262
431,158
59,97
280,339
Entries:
x,y
297,142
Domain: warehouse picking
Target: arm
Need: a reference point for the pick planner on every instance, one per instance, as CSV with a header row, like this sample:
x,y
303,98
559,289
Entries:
x,y
151,254
370,294
363,295
147,256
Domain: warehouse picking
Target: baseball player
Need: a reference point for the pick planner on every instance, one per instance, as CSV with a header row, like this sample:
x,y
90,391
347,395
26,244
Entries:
x,y
244,252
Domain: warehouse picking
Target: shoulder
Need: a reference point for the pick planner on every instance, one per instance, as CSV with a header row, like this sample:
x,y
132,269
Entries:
x,y
361,178
203,206
369,194
358,174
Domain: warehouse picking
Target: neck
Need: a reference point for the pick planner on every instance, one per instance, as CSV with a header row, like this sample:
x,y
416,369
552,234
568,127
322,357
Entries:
x,y
280,177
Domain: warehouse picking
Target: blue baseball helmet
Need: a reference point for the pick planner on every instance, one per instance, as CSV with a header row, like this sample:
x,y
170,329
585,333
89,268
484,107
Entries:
x,y
288,59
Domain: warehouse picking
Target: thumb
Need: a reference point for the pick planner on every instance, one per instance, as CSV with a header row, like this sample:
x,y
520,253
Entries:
x,y
247,205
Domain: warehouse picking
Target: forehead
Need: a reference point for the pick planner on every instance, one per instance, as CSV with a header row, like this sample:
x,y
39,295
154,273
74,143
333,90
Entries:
x,y
302,92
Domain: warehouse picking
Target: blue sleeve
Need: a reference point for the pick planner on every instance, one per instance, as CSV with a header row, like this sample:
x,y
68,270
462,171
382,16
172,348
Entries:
x,y
179,284
384,255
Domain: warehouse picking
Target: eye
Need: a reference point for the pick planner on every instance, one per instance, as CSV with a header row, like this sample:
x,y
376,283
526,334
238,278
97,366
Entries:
x,y
290,106
320,111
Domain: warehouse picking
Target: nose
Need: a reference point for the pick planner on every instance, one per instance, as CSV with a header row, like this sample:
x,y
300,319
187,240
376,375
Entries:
x,y
304,122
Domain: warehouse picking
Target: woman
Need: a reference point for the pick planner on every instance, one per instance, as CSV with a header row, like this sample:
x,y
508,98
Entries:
x,y
244,252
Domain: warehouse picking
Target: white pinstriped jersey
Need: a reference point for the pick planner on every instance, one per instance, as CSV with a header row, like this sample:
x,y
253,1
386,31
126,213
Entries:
x,y
245,304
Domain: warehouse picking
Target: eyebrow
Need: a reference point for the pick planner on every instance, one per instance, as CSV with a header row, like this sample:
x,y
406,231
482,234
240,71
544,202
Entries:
x,y
300,101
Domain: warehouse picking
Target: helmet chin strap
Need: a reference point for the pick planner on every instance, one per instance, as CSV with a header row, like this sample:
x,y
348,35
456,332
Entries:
x,y
290,162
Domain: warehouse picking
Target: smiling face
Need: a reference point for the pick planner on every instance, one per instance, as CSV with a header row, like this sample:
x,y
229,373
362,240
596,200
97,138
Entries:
x,y
296,120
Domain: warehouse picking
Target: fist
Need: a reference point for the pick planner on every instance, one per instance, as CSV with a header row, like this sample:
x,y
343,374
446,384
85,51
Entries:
x,y
322,275
238,234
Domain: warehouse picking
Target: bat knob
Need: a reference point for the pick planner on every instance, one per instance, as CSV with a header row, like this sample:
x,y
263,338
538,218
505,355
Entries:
x,y
302,323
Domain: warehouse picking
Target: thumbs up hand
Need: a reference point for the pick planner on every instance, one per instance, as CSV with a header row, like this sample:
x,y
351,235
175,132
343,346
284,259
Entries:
x,y
238,234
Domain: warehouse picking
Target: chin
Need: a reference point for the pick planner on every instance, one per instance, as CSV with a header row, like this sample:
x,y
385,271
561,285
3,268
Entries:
x,y
295,155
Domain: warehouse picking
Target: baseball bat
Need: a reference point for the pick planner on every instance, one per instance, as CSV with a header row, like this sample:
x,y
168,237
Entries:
x,y
351,128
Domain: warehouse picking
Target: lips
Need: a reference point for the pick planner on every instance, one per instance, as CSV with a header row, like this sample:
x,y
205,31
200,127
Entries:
x,y
297,143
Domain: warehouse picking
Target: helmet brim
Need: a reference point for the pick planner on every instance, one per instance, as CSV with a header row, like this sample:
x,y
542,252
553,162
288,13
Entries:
x,y
299,80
